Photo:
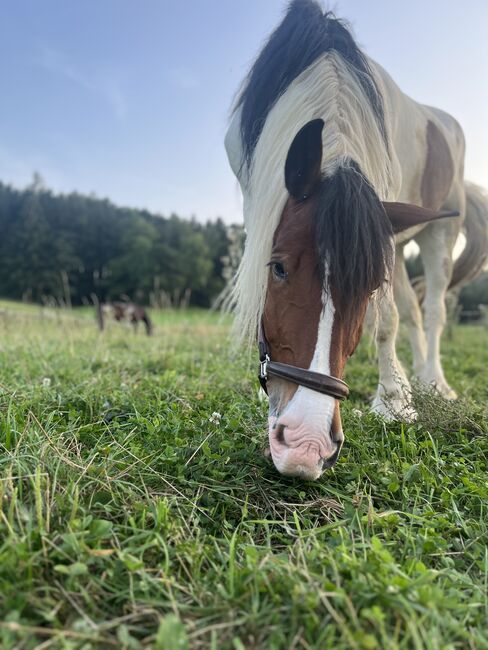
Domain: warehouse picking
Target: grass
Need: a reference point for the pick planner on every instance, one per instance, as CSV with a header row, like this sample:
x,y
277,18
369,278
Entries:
x,y
130,520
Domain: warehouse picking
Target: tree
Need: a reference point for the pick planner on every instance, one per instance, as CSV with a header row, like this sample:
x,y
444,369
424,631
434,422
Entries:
x,y
47,240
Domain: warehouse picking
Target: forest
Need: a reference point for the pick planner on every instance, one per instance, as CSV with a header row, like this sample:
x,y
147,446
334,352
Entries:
x,y
72,249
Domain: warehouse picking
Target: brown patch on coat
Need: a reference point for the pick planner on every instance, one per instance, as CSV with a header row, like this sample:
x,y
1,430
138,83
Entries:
x,y
292,310
438,171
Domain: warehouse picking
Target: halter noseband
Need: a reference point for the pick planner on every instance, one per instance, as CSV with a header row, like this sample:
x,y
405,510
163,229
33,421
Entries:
x,y
321,383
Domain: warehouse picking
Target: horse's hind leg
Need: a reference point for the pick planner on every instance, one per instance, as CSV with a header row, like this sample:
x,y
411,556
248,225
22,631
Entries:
x,y
436,243
408,306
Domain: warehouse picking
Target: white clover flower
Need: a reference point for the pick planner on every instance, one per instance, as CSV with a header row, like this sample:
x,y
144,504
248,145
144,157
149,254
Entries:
x,y
357,412
46,382
215,417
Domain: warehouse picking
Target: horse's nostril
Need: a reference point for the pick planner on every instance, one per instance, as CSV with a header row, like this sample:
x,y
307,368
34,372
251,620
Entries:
x,y
327,463
279,430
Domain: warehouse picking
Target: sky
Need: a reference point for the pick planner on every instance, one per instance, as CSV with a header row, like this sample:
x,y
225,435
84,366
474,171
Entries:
x,y
131,100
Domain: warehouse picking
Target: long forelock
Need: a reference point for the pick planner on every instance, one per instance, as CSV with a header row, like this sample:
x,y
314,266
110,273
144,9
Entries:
x,y
353,239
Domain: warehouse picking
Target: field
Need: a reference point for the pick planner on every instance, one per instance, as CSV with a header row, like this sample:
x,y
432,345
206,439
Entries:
x,y
132,517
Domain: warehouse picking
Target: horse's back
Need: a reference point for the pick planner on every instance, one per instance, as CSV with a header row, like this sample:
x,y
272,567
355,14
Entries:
x,y
427,143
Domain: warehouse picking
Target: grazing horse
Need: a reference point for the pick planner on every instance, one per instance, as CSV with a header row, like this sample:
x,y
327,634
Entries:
x,y
338,170
124,312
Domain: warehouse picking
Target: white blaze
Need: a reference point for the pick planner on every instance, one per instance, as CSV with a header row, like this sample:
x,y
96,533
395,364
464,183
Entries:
x,y
308,415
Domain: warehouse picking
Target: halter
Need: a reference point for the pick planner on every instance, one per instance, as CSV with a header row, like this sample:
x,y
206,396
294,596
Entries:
x,y
317,381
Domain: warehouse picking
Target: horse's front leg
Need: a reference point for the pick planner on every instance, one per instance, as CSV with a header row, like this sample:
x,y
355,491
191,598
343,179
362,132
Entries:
x,y
408,307
436,244
393,397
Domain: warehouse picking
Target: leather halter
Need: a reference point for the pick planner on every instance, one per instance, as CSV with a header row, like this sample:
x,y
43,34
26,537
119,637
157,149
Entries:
x,y
321,383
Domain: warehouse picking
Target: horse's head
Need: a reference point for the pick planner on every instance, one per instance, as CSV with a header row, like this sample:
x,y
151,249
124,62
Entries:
x,y
332,249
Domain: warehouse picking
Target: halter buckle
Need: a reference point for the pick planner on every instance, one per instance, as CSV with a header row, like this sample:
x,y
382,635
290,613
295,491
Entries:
x,y
263,367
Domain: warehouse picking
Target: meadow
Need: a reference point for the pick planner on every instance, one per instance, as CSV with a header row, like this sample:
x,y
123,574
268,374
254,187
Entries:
x,y
137,509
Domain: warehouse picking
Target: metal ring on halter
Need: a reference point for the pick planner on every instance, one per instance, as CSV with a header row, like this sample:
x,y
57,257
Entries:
x,y
263,368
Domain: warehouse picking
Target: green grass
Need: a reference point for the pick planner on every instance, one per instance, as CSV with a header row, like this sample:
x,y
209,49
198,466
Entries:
x,y
129,520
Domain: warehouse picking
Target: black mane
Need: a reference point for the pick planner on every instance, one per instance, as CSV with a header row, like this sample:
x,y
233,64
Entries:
x,y
305,34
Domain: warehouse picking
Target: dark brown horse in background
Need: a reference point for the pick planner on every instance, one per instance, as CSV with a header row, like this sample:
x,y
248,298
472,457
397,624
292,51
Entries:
x,y
127,312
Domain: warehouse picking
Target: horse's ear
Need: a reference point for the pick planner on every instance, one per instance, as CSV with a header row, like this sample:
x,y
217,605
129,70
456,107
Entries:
x,y
302,168
406,215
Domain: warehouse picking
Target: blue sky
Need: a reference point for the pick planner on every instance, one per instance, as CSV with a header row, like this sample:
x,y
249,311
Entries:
x,y
130,100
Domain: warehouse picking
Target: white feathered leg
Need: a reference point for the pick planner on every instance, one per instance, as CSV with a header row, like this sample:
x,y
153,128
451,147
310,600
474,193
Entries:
x,y
436,243
392,400
410,314
436,257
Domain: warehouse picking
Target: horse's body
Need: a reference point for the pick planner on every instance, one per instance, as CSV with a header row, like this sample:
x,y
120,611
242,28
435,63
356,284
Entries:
x,y
329,127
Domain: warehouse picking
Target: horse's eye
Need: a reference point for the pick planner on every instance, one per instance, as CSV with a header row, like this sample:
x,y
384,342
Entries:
x,y
279,271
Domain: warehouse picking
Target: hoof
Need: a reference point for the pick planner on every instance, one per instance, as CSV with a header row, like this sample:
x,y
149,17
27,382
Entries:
x,y
441,386
450,395
394,409
446,391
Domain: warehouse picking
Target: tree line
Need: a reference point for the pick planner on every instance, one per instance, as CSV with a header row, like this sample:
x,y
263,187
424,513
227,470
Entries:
x,y
74,248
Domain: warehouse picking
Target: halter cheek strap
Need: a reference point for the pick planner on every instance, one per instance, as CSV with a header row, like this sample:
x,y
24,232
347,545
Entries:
x,y
321,383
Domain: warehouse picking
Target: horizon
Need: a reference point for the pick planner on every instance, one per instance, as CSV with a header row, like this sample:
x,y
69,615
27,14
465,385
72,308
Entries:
x,y
43,187
133,106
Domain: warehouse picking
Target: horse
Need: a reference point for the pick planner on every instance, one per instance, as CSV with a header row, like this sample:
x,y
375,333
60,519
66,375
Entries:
x,y
339,169
127,312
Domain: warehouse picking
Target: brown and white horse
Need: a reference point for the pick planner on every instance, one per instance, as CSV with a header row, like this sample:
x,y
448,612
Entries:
x,y
338,170
124,312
